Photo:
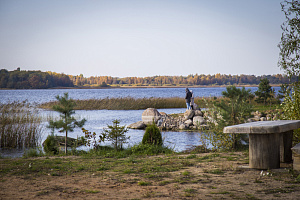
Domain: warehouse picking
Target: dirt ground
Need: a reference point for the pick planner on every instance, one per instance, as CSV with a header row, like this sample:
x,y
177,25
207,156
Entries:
x,y
199,181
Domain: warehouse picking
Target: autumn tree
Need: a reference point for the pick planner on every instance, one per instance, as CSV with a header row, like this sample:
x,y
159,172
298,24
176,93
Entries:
x,y
289,60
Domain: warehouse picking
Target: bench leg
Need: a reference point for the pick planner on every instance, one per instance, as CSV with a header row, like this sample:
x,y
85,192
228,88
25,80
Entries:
x,y
264,151
286,142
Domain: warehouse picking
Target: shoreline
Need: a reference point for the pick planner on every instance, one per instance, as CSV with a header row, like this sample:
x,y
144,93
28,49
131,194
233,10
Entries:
x,y
136,87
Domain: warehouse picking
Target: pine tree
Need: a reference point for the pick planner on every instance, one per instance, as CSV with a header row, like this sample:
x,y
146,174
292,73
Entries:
x,y
116,134
67,122
264,91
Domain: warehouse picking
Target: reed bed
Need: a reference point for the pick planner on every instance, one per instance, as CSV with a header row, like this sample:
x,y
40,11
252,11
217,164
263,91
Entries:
x,y
129,103
20,125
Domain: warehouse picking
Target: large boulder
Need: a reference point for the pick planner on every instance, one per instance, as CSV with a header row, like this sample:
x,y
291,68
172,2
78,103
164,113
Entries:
x,y
196,107
149,115
182,127
198,113
188,122
198,120
137,125
189,114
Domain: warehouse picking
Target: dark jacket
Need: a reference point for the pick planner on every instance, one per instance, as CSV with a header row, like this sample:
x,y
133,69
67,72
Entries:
x,y
188,96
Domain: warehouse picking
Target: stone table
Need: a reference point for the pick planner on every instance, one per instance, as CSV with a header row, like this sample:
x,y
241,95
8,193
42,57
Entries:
x,y
269,141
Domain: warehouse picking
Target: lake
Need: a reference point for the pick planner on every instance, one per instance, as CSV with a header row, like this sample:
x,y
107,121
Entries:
x,y
99,119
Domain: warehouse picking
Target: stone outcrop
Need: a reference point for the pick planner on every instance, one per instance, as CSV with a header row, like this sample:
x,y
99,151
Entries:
x,y
189,114
190,120
150,115
199,120
137,125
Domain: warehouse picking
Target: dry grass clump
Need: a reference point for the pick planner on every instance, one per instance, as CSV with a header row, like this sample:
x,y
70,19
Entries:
x,y
19,125
129,103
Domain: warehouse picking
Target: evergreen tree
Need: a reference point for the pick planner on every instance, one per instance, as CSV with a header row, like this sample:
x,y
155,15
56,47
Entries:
x,y
116,134
67,122
264,91
152,135
234,109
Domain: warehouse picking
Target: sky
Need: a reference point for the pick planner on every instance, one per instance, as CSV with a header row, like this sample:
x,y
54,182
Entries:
x,y
125,38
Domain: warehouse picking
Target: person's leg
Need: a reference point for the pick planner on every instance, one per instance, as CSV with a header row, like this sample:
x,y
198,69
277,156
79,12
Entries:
x,y
188,106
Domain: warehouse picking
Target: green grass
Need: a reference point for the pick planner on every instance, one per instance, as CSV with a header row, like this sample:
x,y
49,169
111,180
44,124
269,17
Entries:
x,y
143,183
177,171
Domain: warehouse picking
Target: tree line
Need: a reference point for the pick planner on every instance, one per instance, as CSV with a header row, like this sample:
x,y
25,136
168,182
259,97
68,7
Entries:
x,y
216,79
18,79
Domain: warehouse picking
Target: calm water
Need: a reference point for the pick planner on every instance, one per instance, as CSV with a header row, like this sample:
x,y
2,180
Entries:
x,y
41,96
99,119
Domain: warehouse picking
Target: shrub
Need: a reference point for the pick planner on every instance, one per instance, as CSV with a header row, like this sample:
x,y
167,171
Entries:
x,y
51,145
152,135
37,152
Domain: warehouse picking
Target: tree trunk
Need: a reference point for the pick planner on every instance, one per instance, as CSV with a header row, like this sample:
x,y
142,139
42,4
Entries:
x,y
66,142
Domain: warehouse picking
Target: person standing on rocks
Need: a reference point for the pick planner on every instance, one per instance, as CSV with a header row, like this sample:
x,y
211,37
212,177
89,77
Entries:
x,y
188,96
192,100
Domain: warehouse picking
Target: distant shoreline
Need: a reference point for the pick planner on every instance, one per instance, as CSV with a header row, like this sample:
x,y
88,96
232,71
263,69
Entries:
x,y
132,87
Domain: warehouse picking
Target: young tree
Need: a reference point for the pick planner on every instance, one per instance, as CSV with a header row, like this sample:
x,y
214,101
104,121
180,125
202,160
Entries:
x,y
67,122
264,91
152,135
235,109
116,134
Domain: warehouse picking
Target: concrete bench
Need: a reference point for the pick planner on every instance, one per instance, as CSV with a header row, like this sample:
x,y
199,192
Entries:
x,y
270,142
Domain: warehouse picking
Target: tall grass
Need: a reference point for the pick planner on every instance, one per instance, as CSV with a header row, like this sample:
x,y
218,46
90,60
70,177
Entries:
x,y
20,126
129,103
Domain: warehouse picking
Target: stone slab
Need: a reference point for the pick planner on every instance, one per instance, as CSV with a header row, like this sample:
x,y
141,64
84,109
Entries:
x,y
264,127
296,149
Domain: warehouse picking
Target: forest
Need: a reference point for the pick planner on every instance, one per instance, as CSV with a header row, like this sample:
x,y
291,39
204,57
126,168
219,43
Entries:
x,y
18,79
191,80
21,79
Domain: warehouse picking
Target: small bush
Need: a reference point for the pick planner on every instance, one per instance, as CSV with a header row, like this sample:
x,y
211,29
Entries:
x,y
51,145
152,135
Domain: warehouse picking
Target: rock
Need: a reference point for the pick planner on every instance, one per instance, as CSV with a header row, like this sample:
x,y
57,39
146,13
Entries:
x,y
149,115
296,157
262,119
198,120
196,107
182,127
194,127
137,125
296,149
159,123
257,118
189,122
251,120
189,114
198,113
162,113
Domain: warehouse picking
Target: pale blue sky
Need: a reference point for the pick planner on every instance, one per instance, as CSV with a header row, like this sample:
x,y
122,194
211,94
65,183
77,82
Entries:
x,y
122,38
